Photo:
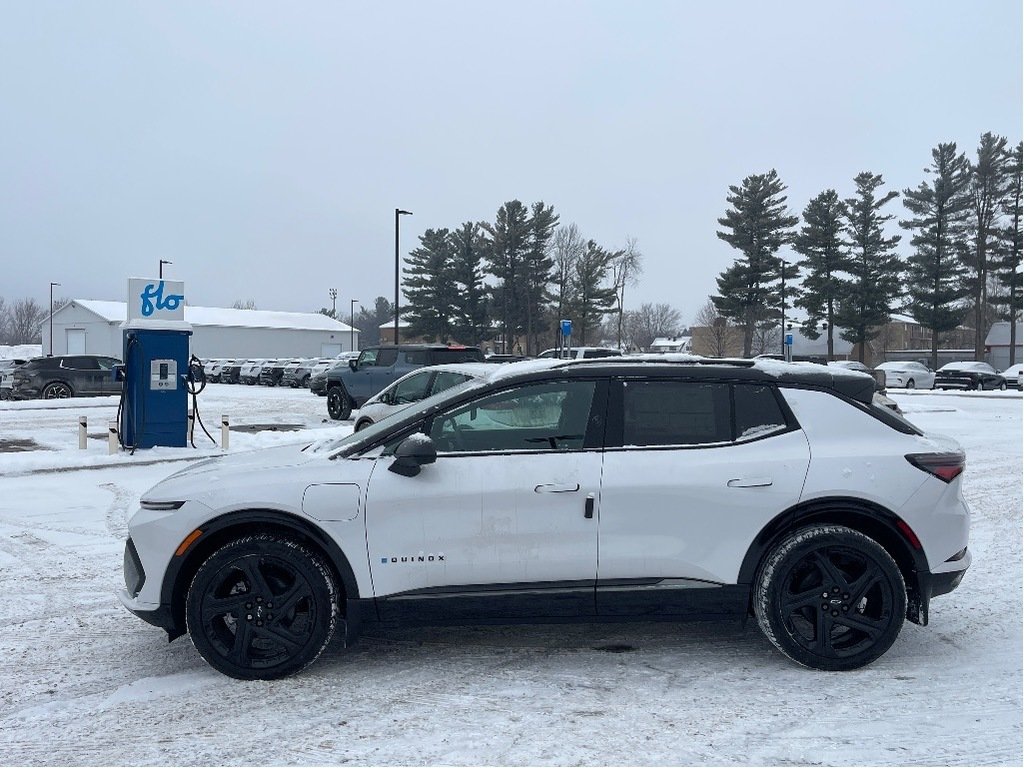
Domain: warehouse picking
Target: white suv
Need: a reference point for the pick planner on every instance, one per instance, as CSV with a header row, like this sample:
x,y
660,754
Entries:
x,y
709,488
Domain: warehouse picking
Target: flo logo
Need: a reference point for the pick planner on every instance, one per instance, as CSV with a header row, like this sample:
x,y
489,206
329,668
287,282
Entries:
x,y
407,559
153,299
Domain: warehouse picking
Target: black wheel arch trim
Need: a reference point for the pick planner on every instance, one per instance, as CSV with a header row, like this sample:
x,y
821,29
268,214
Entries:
x,y
874,520
219,531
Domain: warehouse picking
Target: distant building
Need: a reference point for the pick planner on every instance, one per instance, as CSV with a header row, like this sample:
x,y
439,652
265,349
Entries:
x,y
666,344
86,326
997,346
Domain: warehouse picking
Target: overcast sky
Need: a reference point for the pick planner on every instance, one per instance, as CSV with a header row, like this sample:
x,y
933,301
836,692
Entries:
x,y
264,147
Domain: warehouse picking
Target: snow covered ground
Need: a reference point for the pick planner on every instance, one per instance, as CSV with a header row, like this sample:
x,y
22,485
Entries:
x,y
84,682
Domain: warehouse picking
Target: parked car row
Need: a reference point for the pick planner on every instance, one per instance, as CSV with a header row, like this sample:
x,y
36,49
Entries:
x,y
292,372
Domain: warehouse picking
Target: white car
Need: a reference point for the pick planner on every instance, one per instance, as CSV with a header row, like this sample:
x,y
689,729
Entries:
x,y
1013,375
633,488
416,386
579,353
907,374
250,372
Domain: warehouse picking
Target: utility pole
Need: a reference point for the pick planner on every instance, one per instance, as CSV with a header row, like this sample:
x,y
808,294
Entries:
x,y
398,268
51,318
333,293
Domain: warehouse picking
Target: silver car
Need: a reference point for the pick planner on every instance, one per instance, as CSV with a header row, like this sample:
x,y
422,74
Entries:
x,y
415,386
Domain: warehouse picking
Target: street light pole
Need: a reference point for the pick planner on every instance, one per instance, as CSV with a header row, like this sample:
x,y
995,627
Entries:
x,y
333,293
398,268
352,324
161,270
51,318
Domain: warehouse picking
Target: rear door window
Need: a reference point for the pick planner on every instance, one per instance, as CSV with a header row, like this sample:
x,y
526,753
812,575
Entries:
x,y
386,358
675,413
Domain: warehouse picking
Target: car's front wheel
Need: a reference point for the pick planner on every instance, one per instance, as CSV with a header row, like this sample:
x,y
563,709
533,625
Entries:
x,y
830,598
362,424
56,390
911,384
261,607
339,407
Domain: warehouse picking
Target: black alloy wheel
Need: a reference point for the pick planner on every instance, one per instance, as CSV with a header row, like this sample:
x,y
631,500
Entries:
x,y
339,407
261,607
56,390
830,598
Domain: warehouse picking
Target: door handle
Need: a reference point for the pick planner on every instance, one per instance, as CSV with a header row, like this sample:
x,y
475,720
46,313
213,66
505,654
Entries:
x,y
588,507
749,482
556,488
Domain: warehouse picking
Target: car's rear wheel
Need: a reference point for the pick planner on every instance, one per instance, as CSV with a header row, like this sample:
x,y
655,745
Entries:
x,y
363,424
56,390
339,407
261,607
1002,386
830,598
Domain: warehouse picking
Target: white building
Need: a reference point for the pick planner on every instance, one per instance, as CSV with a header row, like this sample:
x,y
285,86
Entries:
x,y
666,344
85,326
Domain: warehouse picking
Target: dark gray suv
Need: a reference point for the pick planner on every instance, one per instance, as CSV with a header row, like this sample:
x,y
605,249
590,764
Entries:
x,y
350,386
65,376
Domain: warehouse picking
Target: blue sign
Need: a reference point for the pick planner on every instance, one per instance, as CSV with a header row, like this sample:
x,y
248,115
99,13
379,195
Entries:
x,y
567,327
789,339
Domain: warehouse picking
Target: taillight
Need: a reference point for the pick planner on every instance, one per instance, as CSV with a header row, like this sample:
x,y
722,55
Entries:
x,y
944,466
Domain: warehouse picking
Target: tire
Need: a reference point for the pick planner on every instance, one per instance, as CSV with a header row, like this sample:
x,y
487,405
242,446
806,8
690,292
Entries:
x,y
231,615
1002,386
911,384
362,424
56,390
305,382
864,610
338,404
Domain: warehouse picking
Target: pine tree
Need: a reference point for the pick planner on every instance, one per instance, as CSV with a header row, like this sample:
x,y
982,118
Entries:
x,y
757,225
506,253
874,285
1006,266
429,286
936,279
470,322
990,183
820,242
537,269
592,296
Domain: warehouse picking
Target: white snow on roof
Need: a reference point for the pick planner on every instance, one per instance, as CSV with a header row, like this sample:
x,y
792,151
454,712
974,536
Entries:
x,y
117,312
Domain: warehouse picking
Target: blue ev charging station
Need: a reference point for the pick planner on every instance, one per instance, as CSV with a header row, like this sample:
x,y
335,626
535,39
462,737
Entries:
x,y
154,398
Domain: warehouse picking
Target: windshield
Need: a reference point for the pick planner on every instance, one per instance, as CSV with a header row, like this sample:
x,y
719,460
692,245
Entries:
x,y
385,425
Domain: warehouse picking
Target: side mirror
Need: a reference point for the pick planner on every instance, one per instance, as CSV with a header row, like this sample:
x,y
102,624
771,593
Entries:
x,y
354,364
412,453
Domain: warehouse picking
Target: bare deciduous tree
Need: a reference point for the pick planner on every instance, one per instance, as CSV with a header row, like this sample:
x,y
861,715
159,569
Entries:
x,y
626,269
721,336
644,325
568,246
25,318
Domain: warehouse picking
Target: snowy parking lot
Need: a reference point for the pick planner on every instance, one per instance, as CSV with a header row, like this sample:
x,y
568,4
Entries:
x,y
85,682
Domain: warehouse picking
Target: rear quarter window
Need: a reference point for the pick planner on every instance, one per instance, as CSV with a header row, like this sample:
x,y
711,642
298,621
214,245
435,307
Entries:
x,y
758,412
